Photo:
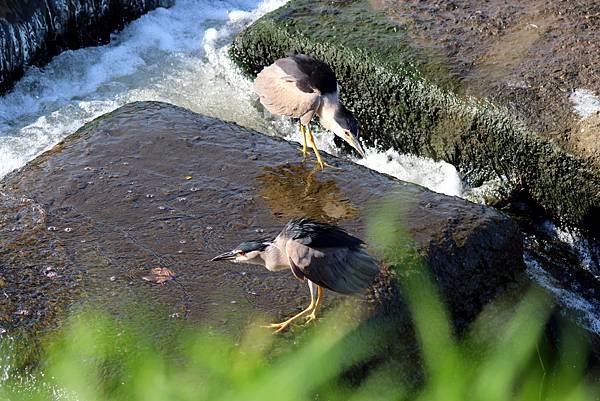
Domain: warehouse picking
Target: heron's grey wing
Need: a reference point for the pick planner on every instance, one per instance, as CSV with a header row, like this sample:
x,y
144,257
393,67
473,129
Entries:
x,y
285,94
342,270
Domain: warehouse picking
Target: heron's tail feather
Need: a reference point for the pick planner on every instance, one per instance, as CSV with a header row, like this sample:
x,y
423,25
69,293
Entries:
x,y
348,272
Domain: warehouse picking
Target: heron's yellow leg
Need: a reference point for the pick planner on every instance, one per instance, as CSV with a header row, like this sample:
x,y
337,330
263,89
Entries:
x,y
283,325
304,147
311,141
313,314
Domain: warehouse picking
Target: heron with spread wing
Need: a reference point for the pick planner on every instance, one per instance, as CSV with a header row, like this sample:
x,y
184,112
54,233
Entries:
x,y
300,86
323,255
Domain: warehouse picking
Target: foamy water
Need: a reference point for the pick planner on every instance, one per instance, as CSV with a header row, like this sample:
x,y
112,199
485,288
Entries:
x,y
586,252
586,312
585,102
176,55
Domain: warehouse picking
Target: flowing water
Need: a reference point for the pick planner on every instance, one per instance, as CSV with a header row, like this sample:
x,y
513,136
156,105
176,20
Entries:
x,y
179,55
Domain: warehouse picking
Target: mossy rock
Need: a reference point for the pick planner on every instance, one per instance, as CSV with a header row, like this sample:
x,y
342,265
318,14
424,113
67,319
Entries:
x,y
406,98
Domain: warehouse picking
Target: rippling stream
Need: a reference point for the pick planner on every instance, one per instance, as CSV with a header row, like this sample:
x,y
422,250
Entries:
x,y
179,55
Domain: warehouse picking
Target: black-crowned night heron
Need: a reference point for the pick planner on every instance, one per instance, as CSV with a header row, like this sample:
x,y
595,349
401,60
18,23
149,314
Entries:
x,y
322,254
300,86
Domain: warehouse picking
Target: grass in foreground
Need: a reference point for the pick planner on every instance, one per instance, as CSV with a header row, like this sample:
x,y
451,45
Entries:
x,y
505,356
96,357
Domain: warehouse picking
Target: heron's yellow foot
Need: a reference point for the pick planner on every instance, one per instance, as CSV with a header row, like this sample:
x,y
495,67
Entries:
x,y
278,326
283,325
321,164
322,167
313,145
311,317
313,313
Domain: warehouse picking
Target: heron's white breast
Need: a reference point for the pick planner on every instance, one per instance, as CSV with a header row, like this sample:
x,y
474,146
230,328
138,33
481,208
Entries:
x,y
275,259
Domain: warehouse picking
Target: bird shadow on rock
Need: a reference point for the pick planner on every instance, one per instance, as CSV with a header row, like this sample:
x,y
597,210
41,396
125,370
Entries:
x,y
293,190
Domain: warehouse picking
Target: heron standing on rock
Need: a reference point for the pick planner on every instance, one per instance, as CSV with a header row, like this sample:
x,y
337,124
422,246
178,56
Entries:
x,y
322,254
301,86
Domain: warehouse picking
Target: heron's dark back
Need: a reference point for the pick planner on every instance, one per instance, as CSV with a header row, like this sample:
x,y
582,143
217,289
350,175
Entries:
x,y
319,75
320,235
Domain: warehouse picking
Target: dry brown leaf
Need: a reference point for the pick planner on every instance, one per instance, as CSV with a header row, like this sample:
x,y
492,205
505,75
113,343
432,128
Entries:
x,y
159,275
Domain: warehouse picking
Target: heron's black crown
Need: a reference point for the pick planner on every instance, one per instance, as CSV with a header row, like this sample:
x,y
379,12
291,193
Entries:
x,y
346,119
250,246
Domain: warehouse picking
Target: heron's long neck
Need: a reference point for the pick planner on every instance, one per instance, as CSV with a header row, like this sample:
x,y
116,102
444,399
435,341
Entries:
x,y
326,111
275,259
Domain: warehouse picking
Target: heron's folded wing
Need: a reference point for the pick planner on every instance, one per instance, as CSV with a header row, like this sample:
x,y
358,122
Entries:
x,y
341,270
285,94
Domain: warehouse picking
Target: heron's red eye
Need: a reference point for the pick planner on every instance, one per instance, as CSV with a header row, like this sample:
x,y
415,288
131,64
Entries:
x,y
242,253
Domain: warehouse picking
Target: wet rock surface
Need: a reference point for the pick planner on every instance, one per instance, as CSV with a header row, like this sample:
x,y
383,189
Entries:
x,y
155,188
586,137
484,86
527,55
33,31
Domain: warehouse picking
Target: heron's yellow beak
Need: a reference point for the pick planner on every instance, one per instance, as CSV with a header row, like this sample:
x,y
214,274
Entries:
x,y
353,141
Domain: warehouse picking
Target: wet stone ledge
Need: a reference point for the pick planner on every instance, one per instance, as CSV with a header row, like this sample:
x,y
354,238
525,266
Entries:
x,y
153,185
33,31
414,88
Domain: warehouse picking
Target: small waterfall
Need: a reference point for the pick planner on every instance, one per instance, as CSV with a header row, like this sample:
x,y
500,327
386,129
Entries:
x,y
33,31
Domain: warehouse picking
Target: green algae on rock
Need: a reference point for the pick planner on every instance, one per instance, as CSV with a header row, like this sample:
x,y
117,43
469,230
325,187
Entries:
x,y
405,98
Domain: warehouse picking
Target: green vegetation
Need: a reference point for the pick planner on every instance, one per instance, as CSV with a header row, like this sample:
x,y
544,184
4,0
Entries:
x,y
99,358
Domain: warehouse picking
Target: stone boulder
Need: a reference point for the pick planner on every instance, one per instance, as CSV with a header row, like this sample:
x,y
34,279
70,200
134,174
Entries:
x,y
153,185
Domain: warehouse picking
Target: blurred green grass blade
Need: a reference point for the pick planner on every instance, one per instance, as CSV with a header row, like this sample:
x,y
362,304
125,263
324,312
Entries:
x,y
323,356
500,371
432,323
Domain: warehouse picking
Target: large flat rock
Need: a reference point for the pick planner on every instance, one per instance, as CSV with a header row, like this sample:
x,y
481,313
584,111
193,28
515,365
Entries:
x,y
154,185
488,87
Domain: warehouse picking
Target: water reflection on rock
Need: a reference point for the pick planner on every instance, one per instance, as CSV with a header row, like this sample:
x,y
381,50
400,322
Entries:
x,y
294,190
